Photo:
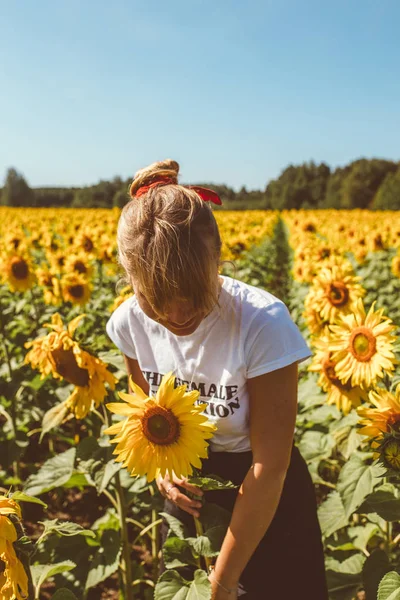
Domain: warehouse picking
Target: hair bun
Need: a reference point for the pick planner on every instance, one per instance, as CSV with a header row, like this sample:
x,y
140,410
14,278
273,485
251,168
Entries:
x,y
165,168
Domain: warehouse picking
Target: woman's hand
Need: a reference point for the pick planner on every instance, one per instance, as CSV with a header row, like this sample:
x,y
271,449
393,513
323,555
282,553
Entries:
x,y
169,490
217,593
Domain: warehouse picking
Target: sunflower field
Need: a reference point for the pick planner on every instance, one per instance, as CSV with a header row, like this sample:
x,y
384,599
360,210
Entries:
x,y
80,513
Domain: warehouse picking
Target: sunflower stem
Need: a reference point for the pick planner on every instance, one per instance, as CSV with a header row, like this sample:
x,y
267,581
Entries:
x,y
35,310
154,537
200,532
13,408
126,566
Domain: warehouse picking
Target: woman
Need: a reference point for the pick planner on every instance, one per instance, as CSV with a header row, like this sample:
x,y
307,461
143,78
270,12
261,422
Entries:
x,y
239,347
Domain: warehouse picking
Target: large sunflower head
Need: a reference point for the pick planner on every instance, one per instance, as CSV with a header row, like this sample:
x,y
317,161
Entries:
x,y
165,434
75,289
59,354
342,395
362,346
17,271
335,290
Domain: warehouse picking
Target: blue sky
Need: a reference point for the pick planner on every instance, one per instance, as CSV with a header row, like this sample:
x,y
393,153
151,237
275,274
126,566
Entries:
x,y
232,90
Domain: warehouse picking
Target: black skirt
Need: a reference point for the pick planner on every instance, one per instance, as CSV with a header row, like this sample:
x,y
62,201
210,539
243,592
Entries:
x,y
288,562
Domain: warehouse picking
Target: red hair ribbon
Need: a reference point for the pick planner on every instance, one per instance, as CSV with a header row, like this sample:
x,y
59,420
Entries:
x,y
205,194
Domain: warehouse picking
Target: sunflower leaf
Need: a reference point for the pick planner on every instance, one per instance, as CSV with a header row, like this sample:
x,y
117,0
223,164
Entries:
x,y
178,553
384,501
209,544
55,472
176,526
106,560
331,514
356,481
389,587
171,586
42,572
66,528
53,417
212,482
21,497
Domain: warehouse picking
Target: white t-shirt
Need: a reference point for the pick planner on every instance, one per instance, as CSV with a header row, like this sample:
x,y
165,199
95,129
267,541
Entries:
x,y
251,334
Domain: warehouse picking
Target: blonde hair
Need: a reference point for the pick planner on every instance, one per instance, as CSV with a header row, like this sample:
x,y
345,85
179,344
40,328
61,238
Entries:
x,y
169,242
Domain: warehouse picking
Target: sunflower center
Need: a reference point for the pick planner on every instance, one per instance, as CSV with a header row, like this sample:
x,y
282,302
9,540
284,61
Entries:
x,y
362,344
20,268
68,368
48,281
76,291
160,426
394,423
391,453
338,293
80,266
87,244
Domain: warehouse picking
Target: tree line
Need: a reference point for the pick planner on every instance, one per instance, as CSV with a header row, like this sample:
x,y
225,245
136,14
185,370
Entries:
x,y
365,183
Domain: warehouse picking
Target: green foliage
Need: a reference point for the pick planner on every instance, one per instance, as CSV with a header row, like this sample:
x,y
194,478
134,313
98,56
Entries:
x,y
364,183
298,187
42,572
16,191
171,586
389,587
388,195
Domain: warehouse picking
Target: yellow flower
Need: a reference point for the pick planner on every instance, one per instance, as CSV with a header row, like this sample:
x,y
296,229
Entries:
x,y
75,289
78,263
334,290
51,286
165,434
17,272
13,580
125,293
361,346
384,417
59,354
342,395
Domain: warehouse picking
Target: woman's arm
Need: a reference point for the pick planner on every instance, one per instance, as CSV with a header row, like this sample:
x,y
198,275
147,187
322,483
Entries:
x,y
273,409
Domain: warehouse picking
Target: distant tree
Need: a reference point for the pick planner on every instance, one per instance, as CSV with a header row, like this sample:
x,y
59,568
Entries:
x,y
121,198
388,195
363,181
333,195
298,187
16,191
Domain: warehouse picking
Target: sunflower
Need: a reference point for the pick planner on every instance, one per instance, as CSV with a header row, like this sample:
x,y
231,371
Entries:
x,y
362,346
75,289
59,354
165,434
334,290
51,286
385,417
342,395
125,293
78,263
13,578
17,272
86,242
315,323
